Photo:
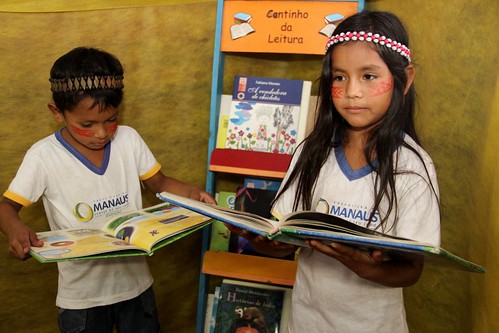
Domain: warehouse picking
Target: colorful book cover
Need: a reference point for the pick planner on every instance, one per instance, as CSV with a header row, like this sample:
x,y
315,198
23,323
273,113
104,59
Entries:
x,y
256,201
266,113
220,235
249,309
214,310
261,183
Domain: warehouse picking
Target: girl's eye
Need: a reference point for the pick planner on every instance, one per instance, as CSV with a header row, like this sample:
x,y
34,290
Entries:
x,y
338,78
86,125
369,76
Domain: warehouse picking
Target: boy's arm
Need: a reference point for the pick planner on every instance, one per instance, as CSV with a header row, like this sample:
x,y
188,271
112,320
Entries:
x,y
159,183
20,236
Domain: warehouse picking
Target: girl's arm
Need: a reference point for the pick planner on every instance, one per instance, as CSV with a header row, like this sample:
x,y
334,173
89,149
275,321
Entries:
x,y
159,183
371,266
20,236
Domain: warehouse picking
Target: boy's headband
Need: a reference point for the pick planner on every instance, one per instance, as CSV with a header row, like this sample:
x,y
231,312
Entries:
x,y
370,37
86,83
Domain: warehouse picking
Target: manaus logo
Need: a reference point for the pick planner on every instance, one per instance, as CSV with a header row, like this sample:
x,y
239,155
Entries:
x,y
83,212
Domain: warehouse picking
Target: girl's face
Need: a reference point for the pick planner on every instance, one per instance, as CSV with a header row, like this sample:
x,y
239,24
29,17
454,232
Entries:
x,y
362,85
90,126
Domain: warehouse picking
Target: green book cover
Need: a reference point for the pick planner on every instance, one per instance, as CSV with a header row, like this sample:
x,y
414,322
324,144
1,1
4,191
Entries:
x,y
220,235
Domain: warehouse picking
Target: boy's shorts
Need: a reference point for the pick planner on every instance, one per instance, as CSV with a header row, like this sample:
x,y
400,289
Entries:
x,y
137,315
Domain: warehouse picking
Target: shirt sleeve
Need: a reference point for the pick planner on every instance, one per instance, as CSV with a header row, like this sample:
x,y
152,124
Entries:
x,y
30,181
147,165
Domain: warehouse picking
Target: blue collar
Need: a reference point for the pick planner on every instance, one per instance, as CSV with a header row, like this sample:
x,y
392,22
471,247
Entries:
x,y
347,169
92,167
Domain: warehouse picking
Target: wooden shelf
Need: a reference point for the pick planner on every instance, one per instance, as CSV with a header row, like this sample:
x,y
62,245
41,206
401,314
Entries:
x,y
249,163
251,268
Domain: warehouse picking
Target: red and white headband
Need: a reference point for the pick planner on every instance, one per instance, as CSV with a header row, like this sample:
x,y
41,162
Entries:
x,y
370,37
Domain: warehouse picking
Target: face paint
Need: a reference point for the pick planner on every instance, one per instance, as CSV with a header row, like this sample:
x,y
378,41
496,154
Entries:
x,y
337,92
112,128
81,131
381,88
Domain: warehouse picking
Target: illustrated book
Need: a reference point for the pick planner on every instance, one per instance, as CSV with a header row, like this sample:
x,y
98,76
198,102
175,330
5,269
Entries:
x,y
268,114
249,307
135,233
297,227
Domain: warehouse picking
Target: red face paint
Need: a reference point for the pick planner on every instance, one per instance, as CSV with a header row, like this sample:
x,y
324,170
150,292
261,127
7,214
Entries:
x,y
83,132
337,92
112,128
381,88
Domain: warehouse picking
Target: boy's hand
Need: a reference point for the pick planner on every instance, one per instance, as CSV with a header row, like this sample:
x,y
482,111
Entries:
x,y
21,238
201,195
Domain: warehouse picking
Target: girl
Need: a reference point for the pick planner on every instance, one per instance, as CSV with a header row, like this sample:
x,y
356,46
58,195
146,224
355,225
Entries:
x,y
361,162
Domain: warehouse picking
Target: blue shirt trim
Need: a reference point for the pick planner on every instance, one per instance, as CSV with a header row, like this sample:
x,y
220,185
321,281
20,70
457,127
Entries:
x,y
347,170
92,167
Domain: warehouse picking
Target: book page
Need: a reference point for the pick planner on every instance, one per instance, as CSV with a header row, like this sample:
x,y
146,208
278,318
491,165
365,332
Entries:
x,y
149,226
74,243
248,221
240,30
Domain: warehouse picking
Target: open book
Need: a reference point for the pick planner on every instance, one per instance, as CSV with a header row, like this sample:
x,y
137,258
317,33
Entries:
x,y
135,233
297,227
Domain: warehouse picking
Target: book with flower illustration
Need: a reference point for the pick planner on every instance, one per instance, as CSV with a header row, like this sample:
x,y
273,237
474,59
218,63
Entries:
x,y
267,114
134,233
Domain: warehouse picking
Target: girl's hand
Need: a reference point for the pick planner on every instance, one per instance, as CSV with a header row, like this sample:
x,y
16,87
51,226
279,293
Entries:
x,y
345,253
372,266
262,244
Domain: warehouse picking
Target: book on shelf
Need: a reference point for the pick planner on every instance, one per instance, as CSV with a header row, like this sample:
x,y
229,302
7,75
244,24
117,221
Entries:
x,y
220,235
256,201
134,233
262,183
211,304
255,197
251,307
297,227
268,114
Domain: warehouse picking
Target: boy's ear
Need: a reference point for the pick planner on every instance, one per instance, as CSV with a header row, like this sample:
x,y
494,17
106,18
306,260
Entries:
x,y
56,113
410,72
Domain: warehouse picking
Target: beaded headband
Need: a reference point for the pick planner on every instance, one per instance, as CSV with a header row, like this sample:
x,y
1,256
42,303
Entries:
x,y
370,37
86,83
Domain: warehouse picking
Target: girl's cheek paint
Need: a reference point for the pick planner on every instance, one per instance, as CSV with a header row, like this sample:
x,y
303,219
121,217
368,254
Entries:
x,y
381,88
83,132
337,92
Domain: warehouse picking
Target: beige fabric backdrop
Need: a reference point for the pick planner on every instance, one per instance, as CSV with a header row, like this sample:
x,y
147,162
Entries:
x,y
166,48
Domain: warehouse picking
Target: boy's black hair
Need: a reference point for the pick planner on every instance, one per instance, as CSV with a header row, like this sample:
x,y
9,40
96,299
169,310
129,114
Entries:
x,y
383,140
85,62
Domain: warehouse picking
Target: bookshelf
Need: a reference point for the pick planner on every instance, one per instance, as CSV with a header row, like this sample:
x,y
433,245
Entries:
x,y
271,42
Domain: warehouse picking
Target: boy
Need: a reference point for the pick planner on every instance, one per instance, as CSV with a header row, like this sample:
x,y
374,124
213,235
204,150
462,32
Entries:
x,y
90,160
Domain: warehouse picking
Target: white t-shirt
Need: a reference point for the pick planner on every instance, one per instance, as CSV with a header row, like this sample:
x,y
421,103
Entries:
x,y
327,296
77,194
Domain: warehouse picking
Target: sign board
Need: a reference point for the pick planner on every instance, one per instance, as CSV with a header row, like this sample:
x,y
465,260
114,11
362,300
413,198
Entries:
x,y
301,27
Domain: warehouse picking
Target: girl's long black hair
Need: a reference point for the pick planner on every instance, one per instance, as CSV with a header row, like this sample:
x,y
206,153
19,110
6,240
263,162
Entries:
x,y
383,140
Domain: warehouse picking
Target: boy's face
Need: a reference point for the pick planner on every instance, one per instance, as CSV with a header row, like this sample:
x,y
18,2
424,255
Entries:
x,y
88,125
